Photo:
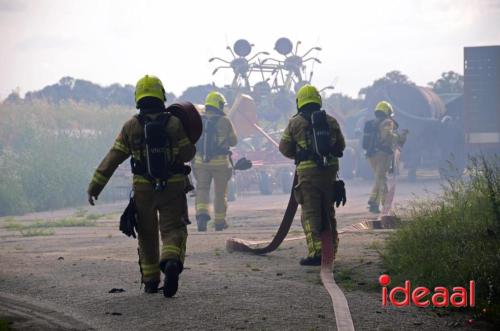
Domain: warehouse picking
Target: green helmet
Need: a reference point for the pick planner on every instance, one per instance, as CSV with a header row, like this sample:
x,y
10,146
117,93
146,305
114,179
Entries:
x,y
308,94
216,100
385,107
149,86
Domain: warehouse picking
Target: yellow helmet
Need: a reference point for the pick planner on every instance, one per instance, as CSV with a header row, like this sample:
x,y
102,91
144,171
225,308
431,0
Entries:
x,y
216,100
385,107
149,86
308,94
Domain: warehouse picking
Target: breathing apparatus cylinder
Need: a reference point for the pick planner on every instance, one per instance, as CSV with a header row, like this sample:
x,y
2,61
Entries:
x,y
321,135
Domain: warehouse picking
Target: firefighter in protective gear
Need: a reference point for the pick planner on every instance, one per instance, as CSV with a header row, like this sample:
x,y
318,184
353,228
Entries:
x,y
212,162
314,191
387,140
159,212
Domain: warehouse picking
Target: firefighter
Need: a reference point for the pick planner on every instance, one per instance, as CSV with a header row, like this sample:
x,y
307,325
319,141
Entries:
x,y
386,139
159,210
213,161
316,170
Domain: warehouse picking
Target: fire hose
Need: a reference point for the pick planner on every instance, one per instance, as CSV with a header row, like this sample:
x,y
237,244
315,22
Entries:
x,y
343,317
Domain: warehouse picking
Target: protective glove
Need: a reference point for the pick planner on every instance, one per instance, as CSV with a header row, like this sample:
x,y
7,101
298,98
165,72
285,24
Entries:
x,y
91,199
339,193
128,220
243,164
337,151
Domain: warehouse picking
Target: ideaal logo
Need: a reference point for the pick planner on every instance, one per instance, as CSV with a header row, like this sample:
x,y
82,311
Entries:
x,y
420,295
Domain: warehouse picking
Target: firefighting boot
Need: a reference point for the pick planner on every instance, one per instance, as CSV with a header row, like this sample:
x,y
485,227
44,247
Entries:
x,y
171,269
151,286
373,207
201,221
311,261
221,226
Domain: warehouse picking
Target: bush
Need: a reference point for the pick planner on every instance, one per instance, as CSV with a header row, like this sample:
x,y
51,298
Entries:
x,y
454,238
48,153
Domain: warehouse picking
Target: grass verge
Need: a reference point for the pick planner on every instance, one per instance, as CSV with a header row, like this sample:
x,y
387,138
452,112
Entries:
x,y
44,228
454,238
31,232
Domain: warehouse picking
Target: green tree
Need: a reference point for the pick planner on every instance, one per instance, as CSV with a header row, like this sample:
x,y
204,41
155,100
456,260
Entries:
x,y
450,82
393,77
342,103
70,89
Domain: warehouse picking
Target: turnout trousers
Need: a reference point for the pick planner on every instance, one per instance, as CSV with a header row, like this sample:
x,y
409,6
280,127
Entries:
x,y
204,174
160,215
314,193
380,163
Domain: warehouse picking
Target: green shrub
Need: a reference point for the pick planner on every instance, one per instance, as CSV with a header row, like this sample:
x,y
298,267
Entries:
x,y
80,212
454,238
94,217
13,226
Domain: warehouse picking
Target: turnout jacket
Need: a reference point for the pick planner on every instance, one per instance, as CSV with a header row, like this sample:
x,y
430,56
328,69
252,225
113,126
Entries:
x,y
388,137
298,134
130,141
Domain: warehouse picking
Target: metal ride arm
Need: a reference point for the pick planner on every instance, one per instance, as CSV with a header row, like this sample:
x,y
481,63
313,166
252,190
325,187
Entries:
x,y
265,134
311,59
259,53
250,118
310,50
219,59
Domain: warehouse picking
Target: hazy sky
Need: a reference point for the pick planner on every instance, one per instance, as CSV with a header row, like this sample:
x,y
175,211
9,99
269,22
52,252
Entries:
x,y
119,41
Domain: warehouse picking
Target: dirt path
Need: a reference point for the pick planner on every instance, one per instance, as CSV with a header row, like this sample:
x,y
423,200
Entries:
x,y
71,272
